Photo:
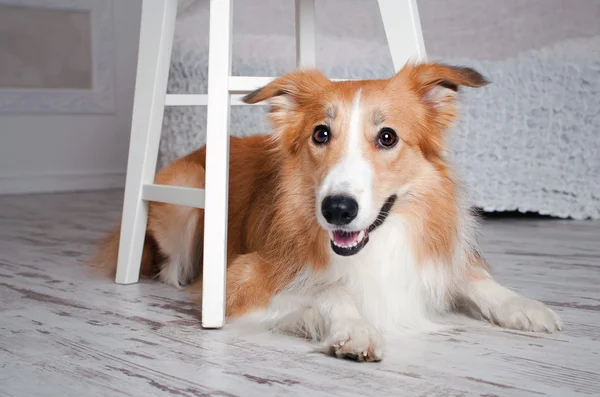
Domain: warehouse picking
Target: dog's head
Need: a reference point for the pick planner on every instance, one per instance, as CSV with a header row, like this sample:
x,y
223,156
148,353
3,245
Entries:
x,y
363,144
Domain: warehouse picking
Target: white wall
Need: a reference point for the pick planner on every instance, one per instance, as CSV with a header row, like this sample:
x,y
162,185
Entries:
x,y
72,152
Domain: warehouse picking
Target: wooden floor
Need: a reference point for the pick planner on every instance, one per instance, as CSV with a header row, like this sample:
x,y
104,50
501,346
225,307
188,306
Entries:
x,y
65,333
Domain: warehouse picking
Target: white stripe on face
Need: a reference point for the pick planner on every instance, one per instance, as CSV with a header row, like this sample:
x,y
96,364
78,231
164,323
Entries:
x,y
352,175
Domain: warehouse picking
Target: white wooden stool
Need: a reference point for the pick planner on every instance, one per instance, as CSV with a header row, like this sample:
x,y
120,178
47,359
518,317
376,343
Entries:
x,y
405,41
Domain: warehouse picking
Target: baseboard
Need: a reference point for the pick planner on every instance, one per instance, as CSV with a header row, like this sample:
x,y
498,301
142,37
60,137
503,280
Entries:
x,y
61,181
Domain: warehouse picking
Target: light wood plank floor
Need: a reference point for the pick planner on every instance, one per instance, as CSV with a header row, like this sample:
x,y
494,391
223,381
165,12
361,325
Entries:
x,y
66,333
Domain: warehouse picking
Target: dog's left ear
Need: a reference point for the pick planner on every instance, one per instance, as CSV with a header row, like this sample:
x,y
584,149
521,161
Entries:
x,y
438,84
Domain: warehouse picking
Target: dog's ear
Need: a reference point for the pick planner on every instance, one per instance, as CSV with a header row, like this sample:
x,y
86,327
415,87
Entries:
x,y
287,92
286,95
437,86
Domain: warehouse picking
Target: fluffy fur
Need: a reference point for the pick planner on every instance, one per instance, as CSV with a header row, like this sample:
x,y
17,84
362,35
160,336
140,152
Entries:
x,y
421,261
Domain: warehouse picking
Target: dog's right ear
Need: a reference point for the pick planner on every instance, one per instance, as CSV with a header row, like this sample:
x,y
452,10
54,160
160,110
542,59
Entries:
x,y
287,92
286,95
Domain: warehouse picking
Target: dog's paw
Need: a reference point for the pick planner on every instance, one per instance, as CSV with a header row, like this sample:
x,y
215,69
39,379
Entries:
x,y
526,315
355,340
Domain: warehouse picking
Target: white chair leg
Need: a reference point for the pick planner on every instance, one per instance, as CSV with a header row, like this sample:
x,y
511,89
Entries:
x,y
403,31
154,54
217,165
305,33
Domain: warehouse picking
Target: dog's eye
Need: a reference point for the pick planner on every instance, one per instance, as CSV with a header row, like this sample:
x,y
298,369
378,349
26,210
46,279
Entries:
x,y
320,135
387,138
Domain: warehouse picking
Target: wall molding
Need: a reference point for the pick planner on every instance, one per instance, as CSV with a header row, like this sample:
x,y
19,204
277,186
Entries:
x,y
100,99
61,181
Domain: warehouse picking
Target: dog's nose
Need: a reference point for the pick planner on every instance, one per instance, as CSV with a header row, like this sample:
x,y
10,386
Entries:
x,y
339,210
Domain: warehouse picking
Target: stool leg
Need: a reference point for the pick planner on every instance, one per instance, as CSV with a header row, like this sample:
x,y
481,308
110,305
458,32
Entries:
x,y
154,55
305,33
403,31
217,164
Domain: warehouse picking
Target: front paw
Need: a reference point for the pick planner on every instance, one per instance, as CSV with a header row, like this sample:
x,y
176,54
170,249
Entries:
x,y
526,315
355,340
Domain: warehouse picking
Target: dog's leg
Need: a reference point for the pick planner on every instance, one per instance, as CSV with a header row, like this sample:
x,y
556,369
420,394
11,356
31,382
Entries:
x,y
348,335
178,229
499,305
250,285
251,288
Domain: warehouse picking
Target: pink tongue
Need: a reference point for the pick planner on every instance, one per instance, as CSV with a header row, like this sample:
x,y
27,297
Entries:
x,y
344,238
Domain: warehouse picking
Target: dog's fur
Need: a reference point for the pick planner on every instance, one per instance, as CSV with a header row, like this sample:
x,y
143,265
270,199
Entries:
x,y
422,260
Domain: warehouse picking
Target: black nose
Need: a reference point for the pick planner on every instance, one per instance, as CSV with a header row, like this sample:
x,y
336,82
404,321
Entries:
x,y
339,210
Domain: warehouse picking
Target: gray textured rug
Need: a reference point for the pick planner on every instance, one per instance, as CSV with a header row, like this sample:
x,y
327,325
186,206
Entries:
x,y
528,142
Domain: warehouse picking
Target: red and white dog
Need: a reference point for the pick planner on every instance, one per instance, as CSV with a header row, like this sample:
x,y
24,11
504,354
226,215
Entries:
x,y
346,223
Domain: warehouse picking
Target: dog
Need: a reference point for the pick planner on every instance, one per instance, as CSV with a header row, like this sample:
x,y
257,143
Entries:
x,y
347,222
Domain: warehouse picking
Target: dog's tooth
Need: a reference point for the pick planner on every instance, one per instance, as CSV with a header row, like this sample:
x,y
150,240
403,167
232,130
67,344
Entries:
x,y
331,235
361,235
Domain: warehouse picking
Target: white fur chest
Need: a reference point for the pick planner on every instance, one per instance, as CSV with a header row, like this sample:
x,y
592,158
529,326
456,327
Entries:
x,y
393,292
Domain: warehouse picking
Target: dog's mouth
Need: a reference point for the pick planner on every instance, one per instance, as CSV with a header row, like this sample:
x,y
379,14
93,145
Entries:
x,y
347,243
